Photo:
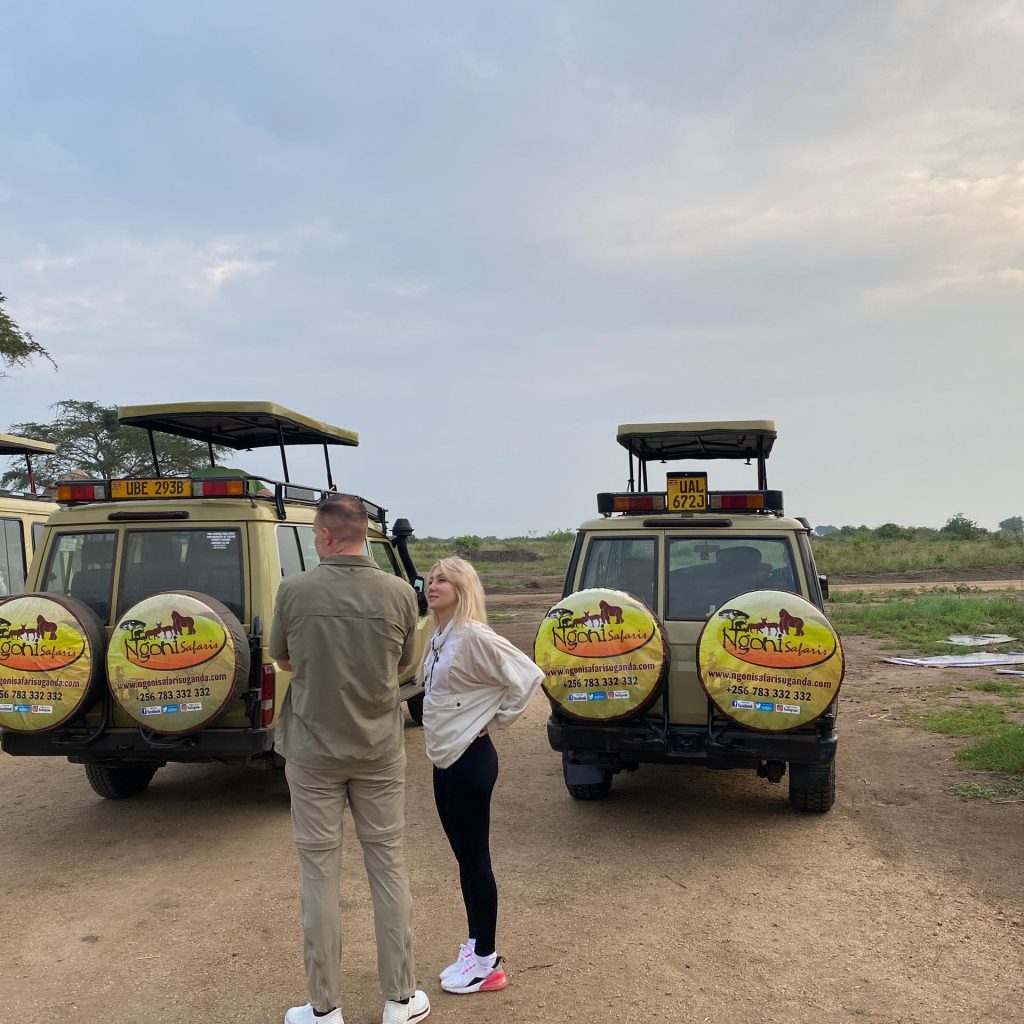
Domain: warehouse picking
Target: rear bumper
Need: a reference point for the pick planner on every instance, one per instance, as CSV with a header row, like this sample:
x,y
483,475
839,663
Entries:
x,y
645,742
134,745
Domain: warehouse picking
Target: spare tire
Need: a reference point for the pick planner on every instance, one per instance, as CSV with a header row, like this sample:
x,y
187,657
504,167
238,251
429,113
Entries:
x,y
176,660
51,661
770,660
604,654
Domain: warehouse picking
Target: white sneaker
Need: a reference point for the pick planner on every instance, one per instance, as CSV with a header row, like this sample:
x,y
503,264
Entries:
x,y
406,1013
465,953
305,1015
474,978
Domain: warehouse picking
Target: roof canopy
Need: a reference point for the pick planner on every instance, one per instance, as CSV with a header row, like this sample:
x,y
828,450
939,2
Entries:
x,y
235,424
13,445
741,439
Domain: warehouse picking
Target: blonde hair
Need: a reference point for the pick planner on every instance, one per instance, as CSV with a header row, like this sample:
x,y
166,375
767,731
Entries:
x,y
469,591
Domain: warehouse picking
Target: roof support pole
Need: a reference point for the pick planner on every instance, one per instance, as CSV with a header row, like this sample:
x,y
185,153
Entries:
x,y
762,471
152,448
31,477
631,487
213,461
327,459
284,458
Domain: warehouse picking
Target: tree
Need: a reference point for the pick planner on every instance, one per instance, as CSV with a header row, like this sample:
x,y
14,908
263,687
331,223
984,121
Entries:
x,y
90,439
824,531
17,347
962,528
1013,525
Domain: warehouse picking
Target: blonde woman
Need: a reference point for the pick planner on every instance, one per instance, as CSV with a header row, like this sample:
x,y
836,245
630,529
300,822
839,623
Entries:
x,y
474,681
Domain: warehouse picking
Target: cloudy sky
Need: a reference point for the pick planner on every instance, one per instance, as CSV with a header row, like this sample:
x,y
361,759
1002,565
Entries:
x,y
485,235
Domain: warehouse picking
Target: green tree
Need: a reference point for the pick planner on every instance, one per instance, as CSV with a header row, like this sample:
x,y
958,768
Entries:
x,y
962,528
1013,525
90,439
17,347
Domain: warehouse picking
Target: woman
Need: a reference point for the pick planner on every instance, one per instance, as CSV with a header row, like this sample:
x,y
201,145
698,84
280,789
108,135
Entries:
x,y
474,681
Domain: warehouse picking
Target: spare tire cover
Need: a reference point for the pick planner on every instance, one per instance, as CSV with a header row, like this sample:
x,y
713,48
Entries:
x,y
604,655
176,660
770,660
51,661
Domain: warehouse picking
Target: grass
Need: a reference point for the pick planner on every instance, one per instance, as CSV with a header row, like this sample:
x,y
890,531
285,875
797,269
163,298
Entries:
x,y
999,793
1007,689
922,622
866,555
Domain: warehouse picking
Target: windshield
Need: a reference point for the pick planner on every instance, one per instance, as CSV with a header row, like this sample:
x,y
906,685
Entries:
x,y
702,573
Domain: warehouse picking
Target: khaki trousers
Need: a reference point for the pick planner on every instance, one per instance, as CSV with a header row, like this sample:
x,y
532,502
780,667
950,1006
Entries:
x,y
376,794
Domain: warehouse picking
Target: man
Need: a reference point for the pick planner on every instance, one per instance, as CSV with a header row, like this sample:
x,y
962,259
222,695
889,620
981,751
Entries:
x,y
345,630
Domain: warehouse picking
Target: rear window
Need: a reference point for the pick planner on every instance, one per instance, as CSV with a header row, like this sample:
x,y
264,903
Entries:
x,y
206,560
622,563
81,565
297,550
704,572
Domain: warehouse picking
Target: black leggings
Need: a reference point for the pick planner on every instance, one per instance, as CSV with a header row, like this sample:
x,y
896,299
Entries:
x,y
463,797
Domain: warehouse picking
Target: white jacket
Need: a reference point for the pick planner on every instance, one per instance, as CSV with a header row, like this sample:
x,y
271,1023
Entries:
x,y
472,678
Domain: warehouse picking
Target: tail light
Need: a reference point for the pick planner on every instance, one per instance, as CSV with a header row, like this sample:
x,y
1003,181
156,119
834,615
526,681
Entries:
x,y
267,696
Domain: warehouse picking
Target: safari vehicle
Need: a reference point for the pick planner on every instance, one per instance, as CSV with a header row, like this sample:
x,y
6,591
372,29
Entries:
x,y
164,564
686,552
22,515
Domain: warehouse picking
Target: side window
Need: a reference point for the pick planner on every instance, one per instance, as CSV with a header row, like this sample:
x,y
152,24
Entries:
x,y
288,548
12,557
384,557
703,573
297,550
622,563
81,565
37,535
310,559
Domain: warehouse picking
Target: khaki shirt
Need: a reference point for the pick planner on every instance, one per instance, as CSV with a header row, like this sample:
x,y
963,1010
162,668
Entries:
x,y
345,626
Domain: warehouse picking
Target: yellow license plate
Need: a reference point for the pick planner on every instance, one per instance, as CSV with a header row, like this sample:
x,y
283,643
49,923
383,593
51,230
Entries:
x,y
135,490
687,492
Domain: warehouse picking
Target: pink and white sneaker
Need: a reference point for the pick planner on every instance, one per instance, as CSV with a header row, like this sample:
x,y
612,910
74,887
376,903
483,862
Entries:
x,y
465,953
474,978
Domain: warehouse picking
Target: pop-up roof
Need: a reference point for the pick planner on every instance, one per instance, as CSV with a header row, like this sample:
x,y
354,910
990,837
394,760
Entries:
x,y
10,444
746,439
235,424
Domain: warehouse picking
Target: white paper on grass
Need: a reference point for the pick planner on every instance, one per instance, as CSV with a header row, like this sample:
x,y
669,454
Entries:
x,y
983,640
980,660
1009,672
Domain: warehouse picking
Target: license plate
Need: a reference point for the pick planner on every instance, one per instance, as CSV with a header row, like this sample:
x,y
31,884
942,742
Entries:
x,y
687,492
135,490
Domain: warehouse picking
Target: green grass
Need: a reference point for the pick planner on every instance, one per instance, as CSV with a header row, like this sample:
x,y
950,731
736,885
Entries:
x,y
1003,689
1001,792
1000,751
999,745
975,720
860,554
920,623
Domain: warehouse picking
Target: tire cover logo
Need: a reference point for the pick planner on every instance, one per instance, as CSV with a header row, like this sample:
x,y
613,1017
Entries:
x,y
38,635
603,654
48,663
770,660
168,636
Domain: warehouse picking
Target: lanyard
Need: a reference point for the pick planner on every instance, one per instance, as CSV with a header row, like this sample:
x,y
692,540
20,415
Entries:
x,y
436,647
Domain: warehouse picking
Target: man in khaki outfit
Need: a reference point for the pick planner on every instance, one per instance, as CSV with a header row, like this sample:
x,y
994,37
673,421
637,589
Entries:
x,y
345,630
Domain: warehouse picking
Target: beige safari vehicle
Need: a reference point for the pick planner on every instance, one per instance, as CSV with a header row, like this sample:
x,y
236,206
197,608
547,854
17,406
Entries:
x,y
22,515
220,540
684,551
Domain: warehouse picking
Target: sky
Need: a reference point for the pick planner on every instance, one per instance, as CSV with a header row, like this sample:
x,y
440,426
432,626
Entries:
x,y
483,236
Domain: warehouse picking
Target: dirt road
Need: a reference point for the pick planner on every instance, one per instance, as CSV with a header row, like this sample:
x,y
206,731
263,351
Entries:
x,y
688,896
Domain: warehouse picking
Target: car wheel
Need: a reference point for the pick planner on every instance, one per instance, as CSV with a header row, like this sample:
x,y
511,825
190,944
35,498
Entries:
x,y
415,706
588,790
812,787
117,783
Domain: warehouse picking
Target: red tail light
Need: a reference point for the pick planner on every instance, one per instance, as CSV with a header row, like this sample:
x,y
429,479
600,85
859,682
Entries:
x,y
267,696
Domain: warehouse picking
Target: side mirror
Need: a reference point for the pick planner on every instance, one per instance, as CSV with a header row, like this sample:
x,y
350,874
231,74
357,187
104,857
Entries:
x,y
421,594
823,584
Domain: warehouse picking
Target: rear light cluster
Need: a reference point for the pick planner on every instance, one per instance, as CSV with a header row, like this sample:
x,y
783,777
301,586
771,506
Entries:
x,y
745,501
218,488
609,503
86,490
266,696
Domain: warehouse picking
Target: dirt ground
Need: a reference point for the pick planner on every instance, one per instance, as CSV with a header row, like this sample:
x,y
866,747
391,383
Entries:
x,y
688,896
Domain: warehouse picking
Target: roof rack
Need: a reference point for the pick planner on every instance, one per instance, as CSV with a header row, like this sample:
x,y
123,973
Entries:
x,y
724,439
11,444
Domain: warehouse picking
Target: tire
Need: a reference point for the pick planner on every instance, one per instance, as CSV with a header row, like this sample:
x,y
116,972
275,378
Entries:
x,y
415,706
118,783
588,791
812,787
